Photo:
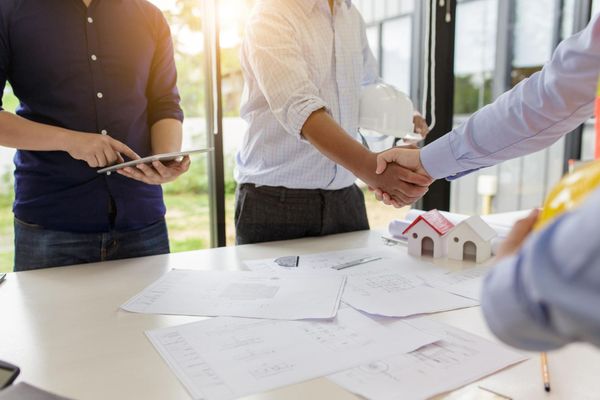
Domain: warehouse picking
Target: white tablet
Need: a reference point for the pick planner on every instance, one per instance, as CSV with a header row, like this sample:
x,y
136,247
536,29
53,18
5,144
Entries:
x,y
157,157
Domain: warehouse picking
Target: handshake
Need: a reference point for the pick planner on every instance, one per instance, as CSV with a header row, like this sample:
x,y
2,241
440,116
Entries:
x,y
399,178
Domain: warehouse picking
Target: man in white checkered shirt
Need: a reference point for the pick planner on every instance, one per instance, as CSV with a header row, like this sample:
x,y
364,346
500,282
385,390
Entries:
x,y
304,62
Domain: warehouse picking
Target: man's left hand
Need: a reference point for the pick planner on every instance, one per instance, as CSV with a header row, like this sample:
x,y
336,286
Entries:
x,y
157,173
420,123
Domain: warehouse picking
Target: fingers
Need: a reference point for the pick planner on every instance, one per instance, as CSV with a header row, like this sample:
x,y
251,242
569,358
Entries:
x,y
184,166
157,173
420,123
386,157
111,156
123,149
100,159
381,163
520,231
524,226
150,173
412,177
132,173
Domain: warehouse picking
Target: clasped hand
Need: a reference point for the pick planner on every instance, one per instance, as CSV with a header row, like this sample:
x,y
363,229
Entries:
x,y
402,178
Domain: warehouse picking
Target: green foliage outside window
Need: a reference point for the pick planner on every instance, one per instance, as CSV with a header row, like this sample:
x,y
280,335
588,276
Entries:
x,y
470,95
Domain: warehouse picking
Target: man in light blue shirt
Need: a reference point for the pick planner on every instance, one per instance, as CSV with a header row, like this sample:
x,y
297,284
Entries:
x,y
545,290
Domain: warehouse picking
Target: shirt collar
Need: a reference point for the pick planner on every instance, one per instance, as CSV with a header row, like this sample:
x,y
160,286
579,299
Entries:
x,y
308,5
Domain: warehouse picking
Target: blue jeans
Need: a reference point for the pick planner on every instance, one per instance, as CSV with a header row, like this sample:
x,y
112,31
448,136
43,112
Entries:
x,y
36,247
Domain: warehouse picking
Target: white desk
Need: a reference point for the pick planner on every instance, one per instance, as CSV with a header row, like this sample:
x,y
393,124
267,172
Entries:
x,y
63,327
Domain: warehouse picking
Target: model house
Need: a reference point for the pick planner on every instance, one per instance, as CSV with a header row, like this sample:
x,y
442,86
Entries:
x,y
471,240
427,235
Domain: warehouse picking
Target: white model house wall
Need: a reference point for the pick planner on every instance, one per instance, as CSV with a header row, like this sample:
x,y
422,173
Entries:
x,y
423,234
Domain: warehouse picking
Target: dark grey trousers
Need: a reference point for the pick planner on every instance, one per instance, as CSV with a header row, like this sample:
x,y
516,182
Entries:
x,y
266,213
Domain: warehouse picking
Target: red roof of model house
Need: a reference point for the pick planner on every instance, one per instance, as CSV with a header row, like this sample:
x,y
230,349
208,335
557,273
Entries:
x,y
436,220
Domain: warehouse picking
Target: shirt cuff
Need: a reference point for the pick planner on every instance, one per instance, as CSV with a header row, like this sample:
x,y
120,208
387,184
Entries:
x,y
505,306
298,115
438,160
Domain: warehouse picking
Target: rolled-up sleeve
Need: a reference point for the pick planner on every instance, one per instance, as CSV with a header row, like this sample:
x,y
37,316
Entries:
x,y
280,70
530,117
162,93
548,294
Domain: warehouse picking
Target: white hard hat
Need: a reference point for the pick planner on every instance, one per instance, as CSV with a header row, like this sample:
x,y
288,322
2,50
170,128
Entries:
x,y
385,110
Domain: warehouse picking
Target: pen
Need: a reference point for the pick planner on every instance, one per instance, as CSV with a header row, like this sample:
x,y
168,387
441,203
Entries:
x,y
349,264
545,372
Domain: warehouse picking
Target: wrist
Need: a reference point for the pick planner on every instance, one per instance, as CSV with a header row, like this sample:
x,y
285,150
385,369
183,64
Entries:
x,y
365,165
65,140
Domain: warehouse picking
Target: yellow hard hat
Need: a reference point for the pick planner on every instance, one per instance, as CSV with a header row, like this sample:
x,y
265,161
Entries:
x,y
570,192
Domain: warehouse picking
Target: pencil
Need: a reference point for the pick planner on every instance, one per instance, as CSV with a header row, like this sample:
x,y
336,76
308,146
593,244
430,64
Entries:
x,y
545,372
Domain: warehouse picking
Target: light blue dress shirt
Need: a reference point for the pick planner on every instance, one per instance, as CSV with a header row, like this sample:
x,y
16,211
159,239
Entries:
x,y
548,294
298,58
530,117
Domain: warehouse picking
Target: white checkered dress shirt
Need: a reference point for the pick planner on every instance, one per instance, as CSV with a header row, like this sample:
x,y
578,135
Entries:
x,y
298,58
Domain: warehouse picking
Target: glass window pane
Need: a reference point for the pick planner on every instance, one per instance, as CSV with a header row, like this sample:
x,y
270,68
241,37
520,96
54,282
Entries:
x,y
379,12
533,34
475,54
568,12
373,39
233,15
187,197
396,45
588,141
393,8
7,193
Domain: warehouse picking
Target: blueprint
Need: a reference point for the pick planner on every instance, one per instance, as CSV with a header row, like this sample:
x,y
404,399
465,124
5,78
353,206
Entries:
x,y
281,295
458,359
226,358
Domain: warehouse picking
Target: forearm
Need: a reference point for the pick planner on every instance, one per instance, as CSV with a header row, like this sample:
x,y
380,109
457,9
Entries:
x,y
166,136
321,130
20,133
530,117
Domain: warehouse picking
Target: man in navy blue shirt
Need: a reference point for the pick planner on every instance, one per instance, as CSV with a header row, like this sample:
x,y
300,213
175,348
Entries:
x,y
96,81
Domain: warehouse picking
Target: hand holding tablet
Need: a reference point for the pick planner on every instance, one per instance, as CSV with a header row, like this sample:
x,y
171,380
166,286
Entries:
x,y
148,160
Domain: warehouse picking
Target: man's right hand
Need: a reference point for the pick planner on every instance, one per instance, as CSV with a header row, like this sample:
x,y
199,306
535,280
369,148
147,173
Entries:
x,y
98,150
409,159
401,185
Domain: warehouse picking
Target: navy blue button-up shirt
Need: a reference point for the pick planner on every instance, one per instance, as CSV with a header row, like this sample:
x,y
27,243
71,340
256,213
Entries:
x,y
107,69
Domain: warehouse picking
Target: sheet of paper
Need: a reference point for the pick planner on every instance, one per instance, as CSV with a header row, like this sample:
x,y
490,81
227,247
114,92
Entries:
x,y
395,293
458,359
280,295
226,358
467,282
394,286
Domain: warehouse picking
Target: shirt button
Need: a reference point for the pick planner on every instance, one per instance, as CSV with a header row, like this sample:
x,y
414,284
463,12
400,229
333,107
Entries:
x,y
93,57
90,20
104,132
100,95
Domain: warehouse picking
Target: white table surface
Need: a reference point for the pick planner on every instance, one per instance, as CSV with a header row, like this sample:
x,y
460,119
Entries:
x,y
64,329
